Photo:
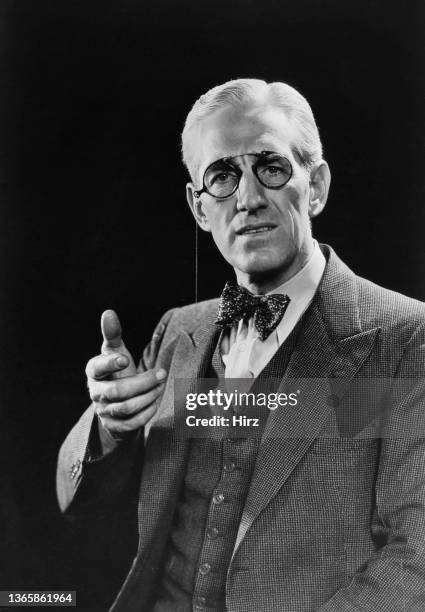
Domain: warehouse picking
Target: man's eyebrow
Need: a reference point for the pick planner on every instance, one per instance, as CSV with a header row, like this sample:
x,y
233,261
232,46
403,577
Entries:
x,y
223,161
232,161
259,155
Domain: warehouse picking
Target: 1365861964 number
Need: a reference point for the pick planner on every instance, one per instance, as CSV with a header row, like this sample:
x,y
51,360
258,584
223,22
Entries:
x,y
38,598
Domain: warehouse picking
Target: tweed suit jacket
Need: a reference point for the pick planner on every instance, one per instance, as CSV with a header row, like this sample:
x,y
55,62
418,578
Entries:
x,y
334,519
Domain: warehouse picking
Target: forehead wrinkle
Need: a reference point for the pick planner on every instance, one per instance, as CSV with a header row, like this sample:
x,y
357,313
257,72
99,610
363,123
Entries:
x,y
227,133
237,145
266,145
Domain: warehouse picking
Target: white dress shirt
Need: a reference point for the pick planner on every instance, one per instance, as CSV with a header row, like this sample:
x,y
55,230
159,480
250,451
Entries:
x,y
243,353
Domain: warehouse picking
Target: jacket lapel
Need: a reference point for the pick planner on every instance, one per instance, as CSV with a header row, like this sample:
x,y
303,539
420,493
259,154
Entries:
x,y
331,346
166,452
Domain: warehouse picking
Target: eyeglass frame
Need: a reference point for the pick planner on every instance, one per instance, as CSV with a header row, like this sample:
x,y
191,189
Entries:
x,y
197,193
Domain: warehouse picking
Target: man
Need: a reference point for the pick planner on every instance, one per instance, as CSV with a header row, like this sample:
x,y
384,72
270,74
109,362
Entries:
x,y
325,509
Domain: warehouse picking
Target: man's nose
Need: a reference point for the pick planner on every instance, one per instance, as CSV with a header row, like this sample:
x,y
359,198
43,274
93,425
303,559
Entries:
x,y
250,193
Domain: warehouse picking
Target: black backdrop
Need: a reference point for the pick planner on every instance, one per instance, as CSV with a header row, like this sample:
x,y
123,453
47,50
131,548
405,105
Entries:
x,y
93,215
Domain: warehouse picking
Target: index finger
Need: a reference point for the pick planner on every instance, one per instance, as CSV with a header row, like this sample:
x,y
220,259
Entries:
x,y
102,366
124,388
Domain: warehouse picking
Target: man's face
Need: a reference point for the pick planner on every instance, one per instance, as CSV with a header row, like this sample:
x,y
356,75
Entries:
x,y
263,233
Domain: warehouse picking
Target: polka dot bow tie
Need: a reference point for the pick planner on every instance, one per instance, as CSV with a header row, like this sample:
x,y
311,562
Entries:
x,y
237,303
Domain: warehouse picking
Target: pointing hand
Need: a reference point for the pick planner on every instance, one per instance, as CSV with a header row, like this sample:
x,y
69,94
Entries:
x,y
124,399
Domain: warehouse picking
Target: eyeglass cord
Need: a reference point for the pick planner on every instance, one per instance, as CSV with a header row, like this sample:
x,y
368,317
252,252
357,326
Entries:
x,y
196,261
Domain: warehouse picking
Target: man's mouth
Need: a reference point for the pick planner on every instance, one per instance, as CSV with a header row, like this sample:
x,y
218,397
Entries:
x,y
255,228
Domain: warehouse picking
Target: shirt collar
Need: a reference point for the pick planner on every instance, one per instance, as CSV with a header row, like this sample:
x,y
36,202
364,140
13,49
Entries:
x,y
301,287
305,280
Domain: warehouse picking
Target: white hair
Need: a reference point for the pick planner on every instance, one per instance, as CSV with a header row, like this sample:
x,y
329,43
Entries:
x,y
245,92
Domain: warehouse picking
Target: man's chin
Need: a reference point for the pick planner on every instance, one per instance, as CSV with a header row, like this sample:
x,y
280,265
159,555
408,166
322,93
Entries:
x,y
262,267
265,265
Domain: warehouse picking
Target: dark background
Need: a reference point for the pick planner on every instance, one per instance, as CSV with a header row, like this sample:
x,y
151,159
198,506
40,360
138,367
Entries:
x,y
93,98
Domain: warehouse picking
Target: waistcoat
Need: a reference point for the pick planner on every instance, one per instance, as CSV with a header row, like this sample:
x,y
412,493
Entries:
x,y
208,513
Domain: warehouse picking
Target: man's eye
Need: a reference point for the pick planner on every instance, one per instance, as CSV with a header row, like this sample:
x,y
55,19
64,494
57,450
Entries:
x,y
223,177
273,170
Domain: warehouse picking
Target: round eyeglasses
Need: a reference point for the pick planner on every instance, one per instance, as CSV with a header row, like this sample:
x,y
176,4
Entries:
x,y
222,177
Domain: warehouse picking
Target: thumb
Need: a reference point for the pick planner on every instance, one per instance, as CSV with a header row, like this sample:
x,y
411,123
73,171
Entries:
x,y
112,342
111,331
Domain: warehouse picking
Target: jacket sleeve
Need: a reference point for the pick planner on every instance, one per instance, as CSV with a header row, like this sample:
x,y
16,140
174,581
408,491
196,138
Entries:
x,y
86,480
394,577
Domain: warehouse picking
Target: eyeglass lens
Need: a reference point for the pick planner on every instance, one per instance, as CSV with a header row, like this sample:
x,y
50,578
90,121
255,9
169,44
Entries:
x,y
221,178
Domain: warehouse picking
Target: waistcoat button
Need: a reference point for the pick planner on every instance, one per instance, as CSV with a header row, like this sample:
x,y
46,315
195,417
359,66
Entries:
x,y
218,498
229,466
200,601
212,533
204,569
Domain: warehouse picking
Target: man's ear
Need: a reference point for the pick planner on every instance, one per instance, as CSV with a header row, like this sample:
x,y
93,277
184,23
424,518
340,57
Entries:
x,y
320,180
195,205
